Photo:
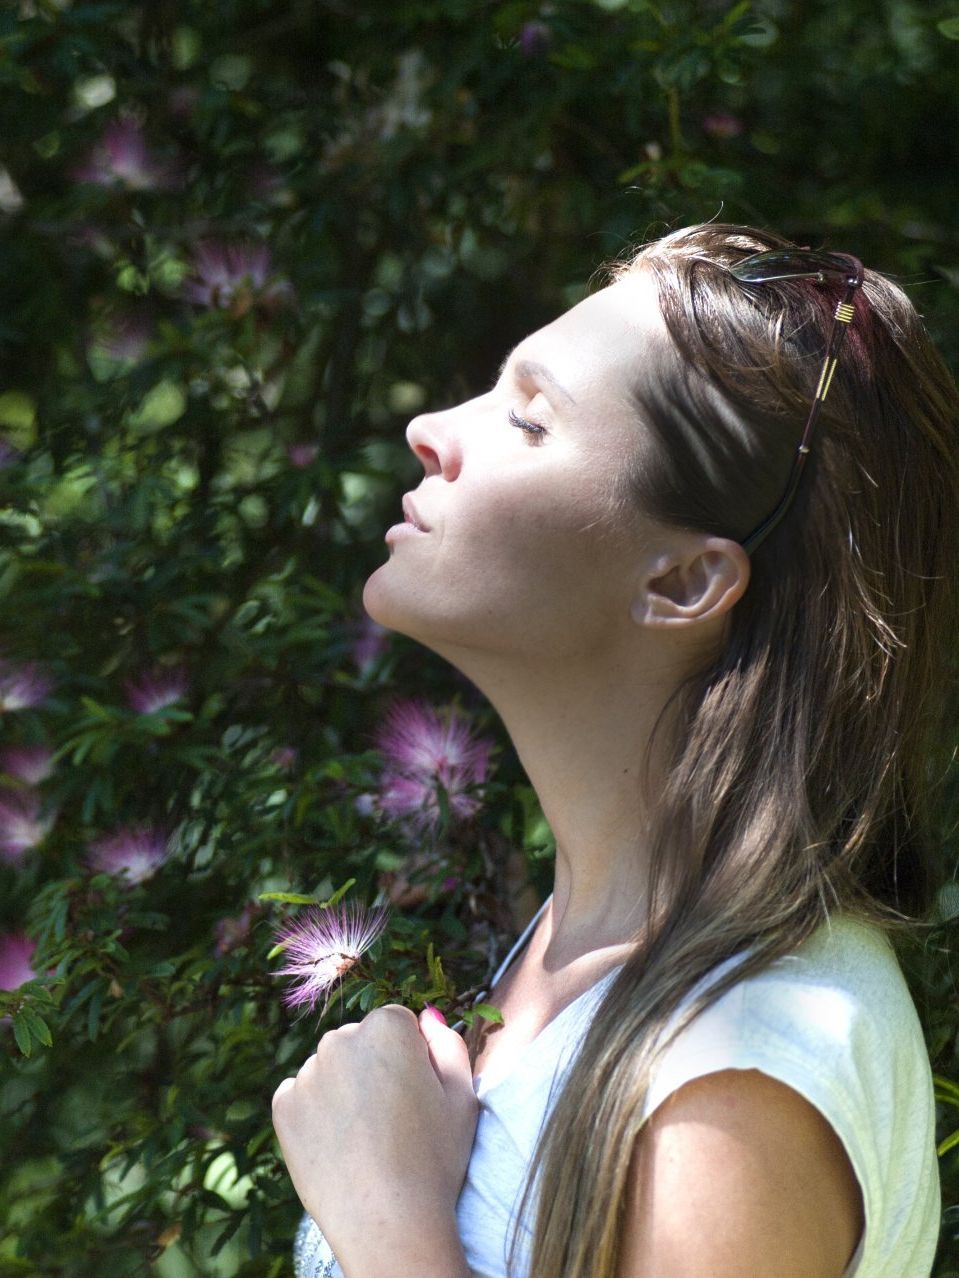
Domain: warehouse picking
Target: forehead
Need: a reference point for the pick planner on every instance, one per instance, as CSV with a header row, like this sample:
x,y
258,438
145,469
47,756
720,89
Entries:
x,y
611,334
605,351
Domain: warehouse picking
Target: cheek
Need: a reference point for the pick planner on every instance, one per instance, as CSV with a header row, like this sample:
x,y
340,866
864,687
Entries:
x,y
518,563
547,545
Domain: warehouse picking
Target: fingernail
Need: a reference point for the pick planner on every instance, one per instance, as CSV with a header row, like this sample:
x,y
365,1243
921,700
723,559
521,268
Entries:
x,y
435,1011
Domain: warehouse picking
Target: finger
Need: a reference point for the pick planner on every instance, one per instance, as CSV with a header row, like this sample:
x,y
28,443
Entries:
x,y
391,1014
281,1091
449,1054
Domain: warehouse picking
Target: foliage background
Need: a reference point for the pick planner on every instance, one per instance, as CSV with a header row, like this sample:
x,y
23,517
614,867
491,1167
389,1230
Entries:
x,y
241,244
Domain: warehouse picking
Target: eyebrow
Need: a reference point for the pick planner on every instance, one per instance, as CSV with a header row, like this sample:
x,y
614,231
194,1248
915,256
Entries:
x,y
529,369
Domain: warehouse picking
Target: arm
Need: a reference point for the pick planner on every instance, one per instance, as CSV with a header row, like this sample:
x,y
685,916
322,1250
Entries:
x,y
738,1176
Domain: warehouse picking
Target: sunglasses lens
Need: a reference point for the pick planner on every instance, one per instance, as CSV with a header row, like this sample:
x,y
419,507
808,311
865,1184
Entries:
x,y
786,265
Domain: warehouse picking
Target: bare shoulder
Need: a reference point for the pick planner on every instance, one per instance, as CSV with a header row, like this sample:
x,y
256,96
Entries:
x,y
736,1175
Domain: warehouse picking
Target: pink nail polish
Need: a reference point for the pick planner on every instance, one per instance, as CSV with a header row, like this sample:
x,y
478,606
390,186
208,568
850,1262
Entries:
x,y
435,1011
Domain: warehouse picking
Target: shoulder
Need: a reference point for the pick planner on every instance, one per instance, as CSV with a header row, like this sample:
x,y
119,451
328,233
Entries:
x,y
835,1019
790,1096
736,1173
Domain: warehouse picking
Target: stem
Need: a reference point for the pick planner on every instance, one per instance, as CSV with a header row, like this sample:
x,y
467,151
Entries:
x,y
677,142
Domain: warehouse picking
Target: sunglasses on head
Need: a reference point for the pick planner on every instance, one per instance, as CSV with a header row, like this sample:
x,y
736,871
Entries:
x,y
803,264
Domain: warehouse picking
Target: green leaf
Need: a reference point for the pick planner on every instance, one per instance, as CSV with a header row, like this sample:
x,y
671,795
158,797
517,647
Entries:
x,y
81,996
37,1026
97,711
93,1015
735,13
488,1012
162,405
760,34
81,746
21,1033
18,414
443,802
352,999
289,898
949,27
946,1090
435,965
58,918
949,1143
233,1224
340,892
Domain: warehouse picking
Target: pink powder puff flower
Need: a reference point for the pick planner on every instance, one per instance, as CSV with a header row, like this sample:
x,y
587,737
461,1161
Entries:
x,y
424,750
234,931
722,124
284,758
234,277
122,158
153,691
136,852
29,764
182,100
16,951
535,39
421,741
267,184
302,455
22,827
322,945
118,342
22,685
371,642
416,799
364,804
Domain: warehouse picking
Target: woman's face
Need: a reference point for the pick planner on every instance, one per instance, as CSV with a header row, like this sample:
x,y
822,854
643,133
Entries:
x,y
515,540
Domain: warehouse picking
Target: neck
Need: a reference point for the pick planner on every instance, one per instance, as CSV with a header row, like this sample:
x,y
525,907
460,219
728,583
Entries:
x,y
581,733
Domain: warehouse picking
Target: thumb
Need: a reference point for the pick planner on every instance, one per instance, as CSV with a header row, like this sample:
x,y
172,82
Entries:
x,y
449,1054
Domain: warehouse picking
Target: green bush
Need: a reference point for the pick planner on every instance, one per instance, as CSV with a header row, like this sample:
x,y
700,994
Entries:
x,y
241,244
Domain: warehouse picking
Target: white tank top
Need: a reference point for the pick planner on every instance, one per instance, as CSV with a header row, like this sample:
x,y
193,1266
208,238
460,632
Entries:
x,y
835,1021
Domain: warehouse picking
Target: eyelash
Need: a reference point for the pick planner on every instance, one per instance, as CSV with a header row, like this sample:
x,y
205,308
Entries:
x,y
533,432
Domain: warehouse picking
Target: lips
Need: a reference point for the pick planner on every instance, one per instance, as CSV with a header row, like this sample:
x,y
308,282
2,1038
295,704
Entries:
x,y
411,516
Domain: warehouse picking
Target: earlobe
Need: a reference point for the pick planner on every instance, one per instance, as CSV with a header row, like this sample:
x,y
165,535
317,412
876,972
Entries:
x,y
696,587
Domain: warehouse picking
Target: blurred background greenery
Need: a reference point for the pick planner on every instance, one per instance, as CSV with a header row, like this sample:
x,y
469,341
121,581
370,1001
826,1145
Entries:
x,y
240,245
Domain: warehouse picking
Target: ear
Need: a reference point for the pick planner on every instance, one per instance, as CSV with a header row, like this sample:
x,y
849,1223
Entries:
x,y
686,587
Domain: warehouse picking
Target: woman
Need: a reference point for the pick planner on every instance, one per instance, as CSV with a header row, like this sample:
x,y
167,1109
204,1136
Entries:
x,y
712,607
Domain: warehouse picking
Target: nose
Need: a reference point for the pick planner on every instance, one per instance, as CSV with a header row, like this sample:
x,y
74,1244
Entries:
x,y
434,441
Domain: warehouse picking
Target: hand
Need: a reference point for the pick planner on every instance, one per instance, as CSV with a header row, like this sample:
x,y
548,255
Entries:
x,y
376,1130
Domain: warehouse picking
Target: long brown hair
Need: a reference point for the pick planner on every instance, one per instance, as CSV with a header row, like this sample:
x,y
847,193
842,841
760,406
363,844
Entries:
x,y
801,760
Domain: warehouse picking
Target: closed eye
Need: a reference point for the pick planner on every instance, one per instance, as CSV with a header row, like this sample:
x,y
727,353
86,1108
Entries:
x,y
532,430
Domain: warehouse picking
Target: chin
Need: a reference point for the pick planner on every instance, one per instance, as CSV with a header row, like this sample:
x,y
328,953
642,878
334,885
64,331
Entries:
x,y
402,611
386,606
457,624
375,598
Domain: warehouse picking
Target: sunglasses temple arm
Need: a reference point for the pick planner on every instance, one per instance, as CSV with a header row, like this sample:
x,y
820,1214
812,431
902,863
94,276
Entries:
x,y
765,528
836,337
